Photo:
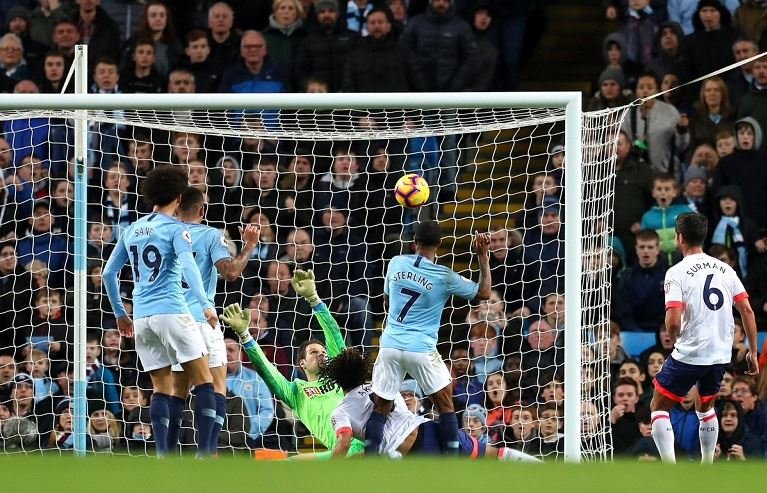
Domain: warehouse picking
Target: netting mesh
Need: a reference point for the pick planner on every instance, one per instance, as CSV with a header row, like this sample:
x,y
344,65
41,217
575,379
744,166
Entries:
x,y
319,183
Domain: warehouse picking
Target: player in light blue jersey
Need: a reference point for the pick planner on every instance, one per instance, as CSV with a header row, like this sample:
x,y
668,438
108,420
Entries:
x,y
159,249
211,253
415,291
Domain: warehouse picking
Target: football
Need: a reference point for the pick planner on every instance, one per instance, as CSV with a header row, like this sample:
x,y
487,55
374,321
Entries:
x,y
411,190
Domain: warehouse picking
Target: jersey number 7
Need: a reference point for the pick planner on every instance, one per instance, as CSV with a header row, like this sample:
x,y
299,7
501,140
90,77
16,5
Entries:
x,y
409,304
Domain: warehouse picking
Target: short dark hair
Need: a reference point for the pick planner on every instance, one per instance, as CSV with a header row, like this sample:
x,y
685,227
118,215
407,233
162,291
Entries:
x,y
195,35
651,74
428,233
648,235
349,369
302,348
164,184
191,200
693,227
105,60
626,381
664,178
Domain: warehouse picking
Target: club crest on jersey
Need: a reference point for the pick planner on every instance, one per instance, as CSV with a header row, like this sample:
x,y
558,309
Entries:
x,y
186,236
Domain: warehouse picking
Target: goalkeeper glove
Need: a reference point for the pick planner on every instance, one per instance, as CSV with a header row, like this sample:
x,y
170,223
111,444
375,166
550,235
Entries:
x,y
303,283
239,320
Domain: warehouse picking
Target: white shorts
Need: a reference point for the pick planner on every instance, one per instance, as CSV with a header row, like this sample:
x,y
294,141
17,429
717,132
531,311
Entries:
x,y
392,364
168,339
214,343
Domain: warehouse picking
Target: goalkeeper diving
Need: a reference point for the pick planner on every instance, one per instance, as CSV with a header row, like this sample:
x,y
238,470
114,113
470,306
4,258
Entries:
x,y
311,400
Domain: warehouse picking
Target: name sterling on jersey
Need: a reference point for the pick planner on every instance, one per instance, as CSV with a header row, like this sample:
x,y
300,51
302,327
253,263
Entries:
x,y
704,265
412,276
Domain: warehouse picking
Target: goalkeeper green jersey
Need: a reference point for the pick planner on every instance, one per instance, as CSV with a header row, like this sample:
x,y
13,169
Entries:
x,y
312,402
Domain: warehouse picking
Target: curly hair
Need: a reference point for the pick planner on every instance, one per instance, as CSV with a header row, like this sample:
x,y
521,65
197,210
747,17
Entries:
x,y
164,184
349,369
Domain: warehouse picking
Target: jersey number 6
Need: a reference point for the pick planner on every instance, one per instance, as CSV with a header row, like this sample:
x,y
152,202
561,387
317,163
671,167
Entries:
x,y
708,291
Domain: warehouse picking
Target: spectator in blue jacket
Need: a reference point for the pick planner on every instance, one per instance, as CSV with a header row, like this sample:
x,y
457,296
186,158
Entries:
x,y
543,255
662,217
685,422
247,384
467,389
41,244
254,73
103,389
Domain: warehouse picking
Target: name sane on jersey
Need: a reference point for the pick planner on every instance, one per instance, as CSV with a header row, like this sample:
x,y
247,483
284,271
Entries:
x,y
412,276
704,265
143,231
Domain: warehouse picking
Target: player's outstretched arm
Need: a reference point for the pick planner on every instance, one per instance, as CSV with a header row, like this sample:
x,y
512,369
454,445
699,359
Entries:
x,y
343,444
749,324
231,268
239,320
116,261
482,247
303,284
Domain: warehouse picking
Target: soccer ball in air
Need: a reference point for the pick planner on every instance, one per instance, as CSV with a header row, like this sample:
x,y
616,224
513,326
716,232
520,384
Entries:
x,y
411,191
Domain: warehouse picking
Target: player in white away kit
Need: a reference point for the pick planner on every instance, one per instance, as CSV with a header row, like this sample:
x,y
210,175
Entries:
x,y
405,432
700,291
415,290
211,254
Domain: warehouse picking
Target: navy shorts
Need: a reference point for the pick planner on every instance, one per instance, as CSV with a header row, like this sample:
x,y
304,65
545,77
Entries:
x,y
676,379
427,442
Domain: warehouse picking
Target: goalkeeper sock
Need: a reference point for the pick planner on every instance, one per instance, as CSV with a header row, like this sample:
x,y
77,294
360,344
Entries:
x,y
175,414
205,416
219,423
515,455
663,435
374,433
448,433
159,414
708,433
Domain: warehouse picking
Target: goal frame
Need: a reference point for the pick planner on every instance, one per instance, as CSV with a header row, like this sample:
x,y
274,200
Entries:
x,y
571,102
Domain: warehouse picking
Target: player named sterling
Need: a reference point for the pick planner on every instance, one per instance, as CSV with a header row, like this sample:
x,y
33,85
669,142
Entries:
x,y
416,289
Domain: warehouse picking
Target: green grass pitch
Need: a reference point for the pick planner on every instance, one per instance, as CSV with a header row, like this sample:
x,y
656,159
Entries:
x,y
103,474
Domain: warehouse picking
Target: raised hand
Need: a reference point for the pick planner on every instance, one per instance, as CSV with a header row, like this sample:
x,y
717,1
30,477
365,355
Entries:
x,y
251,234
303,283
481,244
239,320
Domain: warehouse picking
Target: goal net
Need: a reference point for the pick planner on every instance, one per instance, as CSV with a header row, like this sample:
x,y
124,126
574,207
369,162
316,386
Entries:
x,y
320,185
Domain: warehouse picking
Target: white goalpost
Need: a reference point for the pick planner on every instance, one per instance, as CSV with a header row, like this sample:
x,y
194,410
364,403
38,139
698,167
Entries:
x,y
488,159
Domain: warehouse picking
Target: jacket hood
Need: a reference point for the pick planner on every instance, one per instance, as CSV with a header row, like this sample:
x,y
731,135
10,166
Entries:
x,y
238,167
737,436
677,30
618,38
758,136
725,17
732,191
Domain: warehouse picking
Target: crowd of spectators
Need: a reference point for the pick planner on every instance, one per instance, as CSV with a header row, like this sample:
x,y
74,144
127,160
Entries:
x,y
327,206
